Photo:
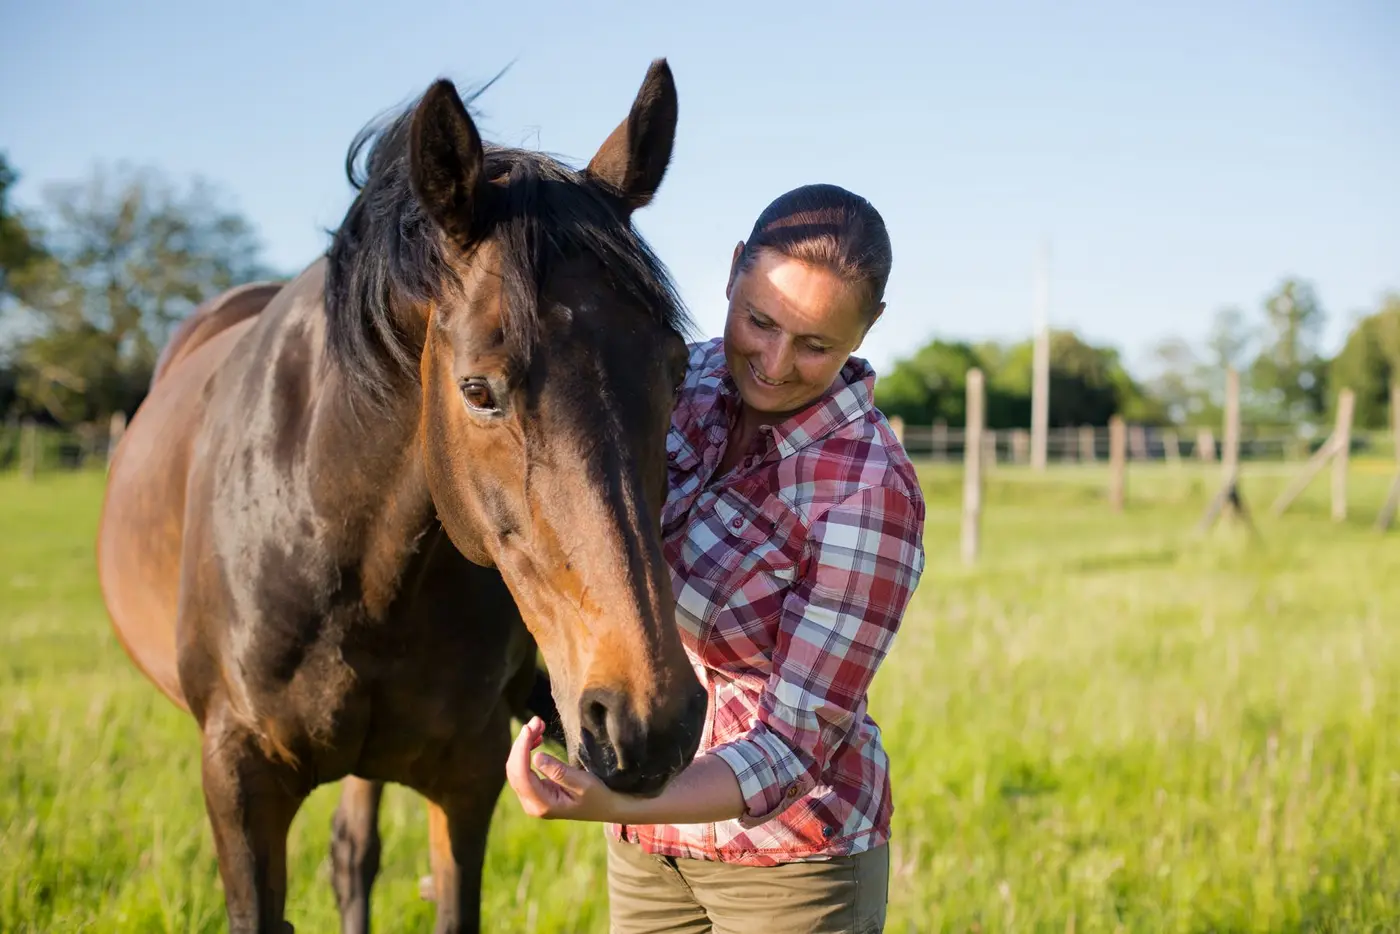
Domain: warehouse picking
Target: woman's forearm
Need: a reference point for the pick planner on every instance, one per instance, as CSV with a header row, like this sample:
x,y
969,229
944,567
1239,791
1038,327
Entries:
x,y
706,791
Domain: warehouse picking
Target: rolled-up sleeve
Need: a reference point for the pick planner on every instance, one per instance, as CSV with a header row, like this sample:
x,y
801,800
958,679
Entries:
x,y
864,559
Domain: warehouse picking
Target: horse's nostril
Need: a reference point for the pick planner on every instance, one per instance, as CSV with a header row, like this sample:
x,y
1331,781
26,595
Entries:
x,y
600,710
632,755
595,720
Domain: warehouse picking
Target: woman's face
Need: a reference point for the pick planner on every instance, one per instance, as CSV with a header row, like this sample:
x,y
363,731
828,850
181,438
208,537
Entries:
x,y
790,329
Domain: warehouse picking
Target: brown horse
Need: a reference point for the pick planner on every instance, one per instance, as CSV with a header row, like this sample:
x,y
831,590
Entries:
x,y
351,508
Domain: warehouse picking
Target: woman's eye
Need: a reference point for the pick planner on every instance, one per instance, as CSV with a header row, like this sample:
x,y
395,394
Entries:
x,y
478,395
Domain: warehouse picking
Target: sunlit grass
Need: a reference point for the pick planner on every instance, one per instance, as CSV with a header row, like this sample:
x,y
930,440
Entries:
x,y
1110,724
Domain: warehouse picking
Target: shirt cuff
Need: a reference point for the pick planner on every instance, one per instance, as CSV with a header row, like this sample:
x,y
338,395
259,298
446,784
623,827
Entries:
x,y
771,776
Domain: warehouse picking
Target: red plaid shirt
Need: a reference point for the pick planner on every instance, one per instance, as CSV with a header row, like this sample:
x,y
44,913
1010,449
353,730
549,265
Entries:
x,y
791,574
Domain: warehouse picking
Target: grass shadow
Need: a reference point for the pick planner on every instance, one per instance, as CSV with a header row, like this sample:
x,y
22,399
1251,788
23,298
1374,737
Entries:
x,y
1122,561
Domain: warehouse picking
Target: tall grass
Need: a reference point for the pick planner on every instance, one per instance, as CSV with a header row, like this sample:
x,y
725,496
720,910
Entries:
x,y
1110,724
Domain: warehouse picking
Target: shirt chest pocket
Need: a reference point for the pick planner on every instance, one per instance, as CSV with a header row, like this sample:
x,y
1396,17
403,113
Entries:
x,y
746,527
736,553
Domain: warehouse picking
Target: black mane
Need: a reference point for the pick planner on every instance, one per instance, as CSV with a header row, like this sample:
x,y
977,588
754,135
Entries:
x,y
387,252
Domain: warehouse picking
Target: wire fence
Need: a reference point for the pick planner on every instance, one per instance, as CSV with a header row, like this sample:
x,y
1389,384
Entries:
x,y
30,448
1089,444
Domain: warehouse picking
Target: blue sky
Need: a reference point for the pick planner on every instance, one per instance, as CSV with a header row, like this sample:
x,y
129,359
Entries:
x,y
1180,156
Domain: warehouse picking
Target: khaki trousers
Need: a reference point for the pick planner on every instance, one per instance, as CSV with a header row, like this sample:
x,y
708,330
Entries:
x,y
649,894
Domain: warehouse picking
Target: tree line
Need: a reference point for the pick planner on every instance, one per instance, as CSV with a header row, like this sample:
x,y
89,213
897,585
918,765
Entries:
x,y
1285,378
95,279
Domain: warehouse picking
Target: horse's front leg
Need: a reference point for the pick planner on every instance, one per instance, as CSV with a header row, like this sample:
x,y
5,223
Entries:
x,y
355,851
459,817
251,802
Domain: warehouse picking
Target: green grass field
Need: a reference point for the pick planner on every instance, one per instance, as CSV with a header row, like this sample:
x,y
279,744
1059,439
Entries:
x,y
1111,725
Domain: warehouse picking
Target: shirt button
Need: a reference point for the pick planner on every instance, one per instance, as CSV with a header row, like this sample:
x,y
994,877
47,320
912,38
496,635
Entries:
x,y
737,523
828,832
670,455
792,791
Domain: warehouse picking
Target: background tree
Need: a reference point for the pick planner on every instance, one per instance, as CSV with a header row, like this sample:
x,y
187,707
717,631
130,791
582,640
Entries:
x,y
1176,381
20,249
1087,384
1289,375
20,253
1369,363
130,254
1187,381
929,386
1231,342
92,285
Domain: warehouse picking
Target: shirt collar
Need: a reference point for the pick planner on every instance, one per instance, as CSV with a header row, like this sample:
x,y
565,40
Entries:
x,y
849,398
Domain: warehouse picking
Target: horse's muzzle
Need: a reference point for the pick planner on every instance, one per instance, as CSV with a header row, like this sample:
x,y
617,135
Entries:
x,y
632,756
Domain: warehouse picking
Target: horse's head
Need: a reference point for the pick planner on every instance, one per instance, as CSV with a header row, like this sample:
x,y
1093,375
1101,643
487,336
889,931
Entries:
x,y
551,351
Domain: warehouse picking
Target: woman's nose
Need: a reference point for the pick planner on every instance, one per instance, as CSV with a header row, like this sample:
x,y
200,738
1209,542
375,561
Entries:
x,y
776,359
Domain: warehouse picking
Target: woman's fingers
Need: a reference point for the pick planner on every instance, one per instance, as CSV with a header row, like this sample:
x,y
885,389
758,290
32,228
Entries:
x,y
528,787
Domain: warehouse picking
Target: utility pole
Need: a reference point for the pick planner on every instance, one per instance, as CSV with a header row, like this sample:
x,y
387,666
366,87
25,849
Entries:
x,y
1040,387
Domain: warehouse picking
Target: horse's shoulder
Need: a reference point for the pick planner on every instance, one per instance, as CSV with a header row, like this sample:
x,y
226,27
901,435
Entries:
x,y
212,317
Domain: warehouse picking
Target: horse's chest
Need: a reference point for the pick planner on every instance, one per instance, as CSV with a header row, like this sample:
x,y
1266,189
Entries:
x,y
378,697
435,695
380,645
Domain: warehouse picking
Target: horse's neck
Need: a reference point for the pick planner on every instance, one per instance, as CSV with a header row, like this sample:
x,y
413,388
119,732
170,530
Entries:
x,y
367,477
402,525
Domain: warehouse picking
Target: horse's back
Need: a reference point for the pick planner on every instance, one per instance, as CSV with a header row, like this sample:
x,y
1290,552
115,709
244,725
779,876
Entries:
x,y
140,538
217,314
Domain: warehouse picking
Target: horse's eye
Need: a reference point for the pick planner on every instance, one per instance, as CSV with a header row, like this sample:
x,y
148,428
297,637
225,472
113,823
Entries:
x,y
478,395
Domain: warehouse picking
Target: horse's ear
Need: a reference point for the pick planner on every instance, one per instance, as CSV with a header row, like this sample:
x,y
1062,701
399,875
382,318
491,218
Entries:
x,y
446,163
633,160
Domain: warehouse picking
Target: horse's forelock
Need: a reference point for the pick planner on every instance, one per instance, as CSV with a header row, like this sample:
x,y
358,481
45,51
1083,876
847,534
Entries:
x,y
388,256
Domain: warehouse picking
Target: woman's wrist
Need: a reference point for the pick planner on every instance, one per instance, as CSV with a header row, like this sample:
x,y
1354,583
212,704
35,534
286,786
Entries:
x,y
706,791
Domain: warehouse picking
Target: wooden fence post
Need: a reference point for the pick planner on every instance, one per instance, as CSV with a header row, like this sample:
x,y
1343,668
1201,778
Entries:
x,y
1020,446
1087,450
1229,493
1171,448
972,468
1311,469
1040,365
116,427
1230,457
897,426
1117,462
28,449
1346,402
940,440
1137,442
1205,446
1392,501
1346,409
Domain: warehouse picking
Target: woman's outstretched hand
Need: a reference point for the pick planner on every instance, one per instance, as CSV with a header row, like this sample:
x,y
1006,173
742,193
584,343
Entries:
x,y
705,791
559,791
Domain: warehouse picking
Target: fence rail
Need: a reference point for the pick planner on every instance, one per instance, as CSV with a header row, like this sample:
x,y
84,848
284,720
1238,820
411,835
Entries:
x,y
1090,444
87,446
30,448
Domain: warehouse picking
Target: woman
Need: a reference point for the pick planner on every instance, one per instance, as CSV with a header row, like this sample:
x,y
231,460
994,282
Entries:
x,y
793,527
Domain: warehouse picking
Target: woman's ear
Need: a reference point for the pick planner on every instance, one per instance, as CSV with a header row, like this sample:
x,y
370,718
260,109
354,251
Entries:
x,y
879,310
733,271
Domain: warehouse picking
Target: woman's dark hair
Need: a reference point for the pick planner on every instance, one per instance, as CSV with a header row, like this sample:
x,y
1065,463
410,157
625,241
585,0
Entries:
x,y
826,225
